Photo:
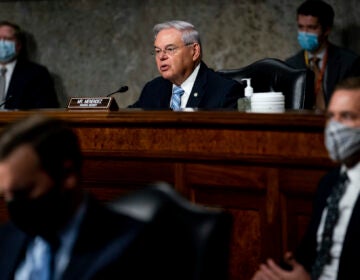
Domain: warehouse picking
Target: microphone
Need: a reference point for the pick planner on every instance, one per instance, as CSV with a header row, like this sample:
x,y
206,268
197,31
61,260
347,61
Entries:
x,y
5,101
121,89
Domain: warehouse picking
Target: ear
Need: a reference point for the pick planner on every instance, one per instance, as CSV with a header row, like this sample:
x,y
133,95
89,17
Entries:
x,y
18,46
327,31
197,51
71,181
71,178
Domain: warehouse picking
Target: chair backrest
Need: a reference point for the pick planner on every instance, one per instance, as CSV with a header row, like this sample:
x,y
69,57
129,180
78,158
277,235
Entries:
x,y
208,230
271,74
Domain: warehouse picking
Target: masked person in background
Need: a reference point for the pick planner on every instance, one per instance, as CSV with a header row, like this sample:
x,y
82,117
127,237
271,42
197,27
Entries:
x,y
329,63
330,248
23,84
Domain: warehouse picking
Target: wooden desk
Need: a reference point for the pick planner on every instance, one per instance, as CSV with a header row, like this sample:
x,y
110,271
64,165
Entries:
x,y
263,168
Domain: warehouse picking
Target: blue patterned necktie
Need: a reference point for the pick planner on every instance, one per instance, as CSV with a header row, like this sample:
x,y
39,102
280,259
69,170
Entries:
x,y
176,98
323,255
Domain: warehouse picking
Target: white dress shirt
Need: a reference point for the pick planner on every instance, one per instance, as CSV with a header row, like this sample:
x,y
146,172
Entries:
x,y
187,86
9,71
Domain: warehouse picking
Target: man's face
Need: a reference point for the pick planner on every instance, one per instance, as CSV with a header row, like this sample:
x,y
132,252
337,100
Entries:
x,y
344,107
180,60
311,24
21,175
8,33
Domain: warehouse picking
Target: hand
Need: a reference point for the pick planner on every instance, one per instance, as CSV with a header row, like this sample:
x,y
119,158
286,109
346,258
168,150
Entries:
x,y
271,271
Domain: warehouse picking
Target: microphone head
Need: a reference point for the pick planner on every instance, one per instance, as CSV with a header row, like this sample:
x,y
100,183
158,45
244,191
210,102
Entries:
x,y
123,89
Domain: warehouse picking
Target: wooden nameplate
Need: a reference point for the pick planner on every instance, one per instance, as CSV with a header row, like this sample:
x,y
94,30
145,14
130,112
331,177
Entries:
x,y
92,103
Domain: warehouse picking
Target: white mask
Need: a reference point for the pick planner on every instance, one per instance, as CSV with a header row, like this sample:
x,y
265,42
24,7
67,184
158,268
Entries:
x,y
341,141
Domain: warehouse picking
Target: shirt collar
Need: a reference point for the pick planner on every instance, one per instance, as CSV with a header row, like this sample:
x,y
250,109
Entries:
x,y
189,82
319,55
353,172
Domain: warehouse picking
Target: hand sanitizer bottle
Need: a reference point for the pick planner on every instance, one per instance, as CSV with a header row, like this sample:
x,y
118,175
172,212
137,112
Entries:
x,y
248,93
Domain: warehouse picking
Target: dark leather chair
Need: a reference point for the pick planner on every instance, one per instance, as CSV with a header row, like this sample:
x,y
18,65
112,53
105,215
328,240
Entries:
x,y
271,74
207,230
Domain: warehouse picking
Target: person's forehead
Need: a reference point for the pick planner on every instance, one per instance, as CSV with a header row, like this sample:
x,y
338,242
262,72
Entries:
x,y
20,164
23,156
345,100
168,36
308,19
6,29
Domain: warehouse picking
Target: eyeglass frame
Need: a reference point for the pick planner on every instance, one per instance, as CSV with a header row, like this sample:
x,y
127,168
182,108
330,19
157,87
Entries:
x,y
169,50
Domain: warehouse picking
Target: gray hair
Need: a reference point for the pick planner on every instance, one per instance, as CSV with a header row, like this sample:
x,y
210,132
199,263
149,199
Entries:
x,y
189,33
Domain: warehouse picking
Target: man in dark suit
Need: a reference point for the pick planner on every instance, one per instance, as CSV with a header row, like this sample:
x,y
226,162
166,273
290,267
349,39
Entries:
x,y
329,62
330,248
28,85
177,51
57,231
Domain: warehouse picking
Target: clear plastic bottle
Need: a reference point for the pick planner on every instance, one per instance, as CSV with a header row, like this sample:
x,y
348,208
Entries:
x,y
244,104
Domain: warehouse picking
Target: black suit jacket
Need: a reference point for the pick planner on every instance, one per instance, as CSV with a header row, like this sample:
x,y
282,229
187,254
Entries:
x,y
210,91
110,246
340,64
31,87
350,254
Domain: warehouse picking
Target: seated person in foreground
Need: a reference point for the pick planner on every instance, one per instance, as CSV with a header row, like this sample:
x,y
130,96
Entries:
x,y
185,82
330,248
58,231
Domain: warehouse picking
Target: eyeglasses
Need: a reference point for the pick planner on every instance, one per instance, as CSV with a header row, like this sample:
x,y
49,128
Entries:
x,y
169,50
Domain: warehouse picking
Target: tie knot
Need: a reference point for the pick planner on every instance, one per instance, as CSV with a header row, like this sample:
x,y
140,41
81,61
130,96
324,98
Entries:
x,y
3,71
178,91
314,61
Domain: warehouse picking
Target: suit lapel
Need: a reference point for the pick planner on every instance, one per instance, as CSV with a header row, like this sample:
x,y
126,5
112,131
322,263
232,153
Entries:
x,y
301,60
198,89
17,79
165,94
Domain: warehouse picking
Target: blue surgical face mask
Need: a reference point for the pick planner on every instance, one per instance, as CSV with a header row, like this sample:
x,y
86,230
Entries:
x,y
308,41
7,50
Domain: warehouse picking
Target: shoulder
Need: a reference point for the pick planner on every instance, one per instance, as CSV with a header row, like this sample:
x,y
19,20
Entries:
x,y
327,181
9,233
343,53
295,59
31,67
156,87
158,81
332,175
